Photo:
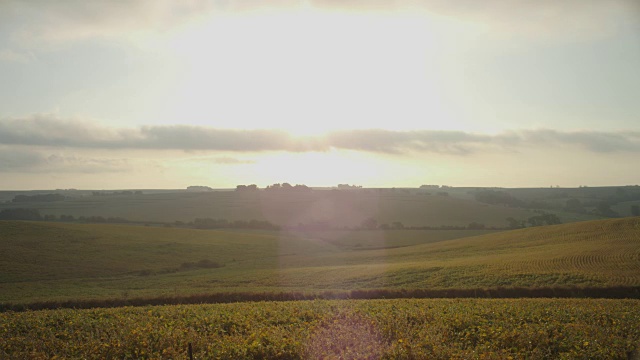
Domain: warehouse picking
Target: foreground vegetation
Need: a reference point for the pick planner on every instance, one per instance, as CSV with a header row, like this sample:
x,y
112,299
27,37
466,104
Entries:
x,y
66,262
354,329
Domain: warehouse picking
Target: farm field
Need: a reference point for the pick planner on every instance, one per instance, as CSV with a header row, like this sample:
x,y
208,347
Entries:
x,y
344,329
64,262
336,208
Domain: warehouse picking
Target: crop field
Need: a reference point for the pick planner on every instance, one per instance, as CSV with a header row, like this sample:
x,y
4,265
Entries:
x,y
61,262
353,329
336,208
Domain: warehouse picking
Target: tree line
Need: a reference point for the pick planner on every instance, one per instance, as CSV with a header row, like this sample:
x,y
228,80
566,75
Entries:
x,y
38,198
209,223
285,187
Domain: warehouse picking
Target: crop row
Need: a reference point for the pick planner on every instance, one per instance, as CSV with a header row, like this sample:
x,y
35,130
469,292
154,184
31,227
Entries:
x,y
346,329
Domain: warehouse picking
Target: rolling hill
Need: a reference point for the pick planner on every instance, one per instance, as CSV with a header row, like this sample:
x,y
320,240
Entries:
x,y
52,261
338,209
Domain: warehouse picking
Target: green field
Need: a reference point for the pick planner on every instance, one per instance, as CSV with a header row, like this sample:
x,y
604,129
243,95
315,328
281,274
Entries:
x,y
336,208
353,329
53,261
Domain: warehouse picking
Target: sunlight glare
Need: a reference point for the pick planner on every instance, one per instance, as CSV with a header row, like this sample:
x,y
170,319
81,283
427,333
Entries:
x,y
311,71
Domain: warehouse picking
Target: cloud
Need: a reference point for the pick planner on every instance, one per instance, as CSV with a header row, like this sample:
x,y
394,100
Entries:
x,y
548,19
396,142
601,142
224,160
9,55
49,131
13,159
32,161
42,22
232,161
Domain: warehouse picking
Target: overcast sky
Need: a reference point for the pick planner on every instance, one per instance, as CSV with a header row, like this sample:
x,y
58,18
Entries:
x,y
167,94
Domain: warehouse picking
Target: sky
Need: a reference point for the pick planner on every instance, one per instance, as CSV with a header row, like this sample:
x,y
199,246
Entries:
x,y
169,94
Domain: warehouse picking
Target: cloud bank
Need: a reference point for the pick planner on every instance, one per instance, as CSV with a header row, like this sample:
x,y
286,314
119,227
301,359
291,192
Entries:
x,y
50,22
35,161
52,132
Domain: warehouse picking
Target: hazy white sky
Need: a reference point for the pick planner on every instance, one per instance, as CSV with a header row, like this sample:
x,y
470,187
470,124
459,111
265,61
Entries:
x,y
166,94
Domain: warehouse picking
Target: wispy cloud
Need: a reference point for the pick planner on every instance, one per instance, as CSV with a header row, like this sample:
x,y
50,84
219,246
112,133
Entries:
x,y
10,55
44,22
52,132
232,161
48,22
34,161
550,20
222,160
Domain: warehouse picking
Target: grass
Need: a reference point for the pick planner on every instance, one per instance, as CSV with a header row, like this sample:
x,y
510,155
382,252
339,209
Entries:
x,y
59,262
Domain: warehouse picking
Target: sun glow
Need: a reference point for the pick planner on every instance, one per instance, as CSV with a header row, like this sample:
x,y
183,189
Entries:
x,y
311,71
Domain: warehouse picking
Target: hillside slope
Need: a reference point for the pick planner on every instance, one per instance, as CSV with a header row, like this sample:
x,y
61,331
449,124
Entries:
x,y
46,261
338,209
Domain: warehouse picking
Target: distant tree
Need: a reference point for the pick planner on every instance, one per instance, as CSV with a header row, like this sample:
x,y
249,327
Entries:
x,y
497,197
514,224
574,205
198,188
475,226
20,214
603,208
300,187
348,187
38,198
544,219
369,224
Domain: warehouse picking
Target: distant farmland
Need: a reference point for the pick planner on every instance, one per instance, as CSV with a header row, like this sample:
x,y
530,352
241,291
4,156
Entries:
x,y
50,261
337,209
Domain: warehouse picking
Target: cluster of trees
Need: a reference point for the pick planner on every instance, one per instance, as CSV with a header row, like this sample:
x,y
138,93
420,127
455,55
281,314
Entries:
x,y
38,198
600,205
429,186
498,198
199,188
34,215
120,193
537,220
372,224
20,214
208,223
287,187
349,187
274,187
